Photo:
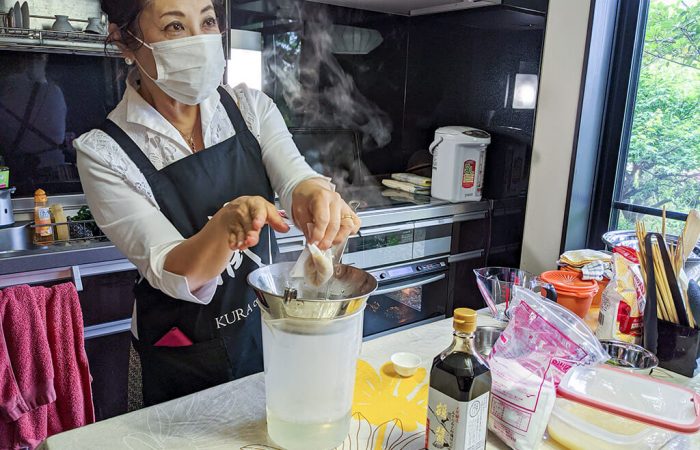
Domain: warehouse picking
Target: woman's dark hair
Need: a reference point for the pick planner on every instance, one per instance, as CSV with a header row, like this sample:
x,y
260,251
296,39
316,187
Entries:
x,y
125,14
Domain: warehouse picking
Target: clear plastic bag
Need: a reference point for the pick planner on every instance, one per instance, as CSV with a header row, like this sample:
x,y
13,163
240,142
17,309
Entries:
x,y
541,343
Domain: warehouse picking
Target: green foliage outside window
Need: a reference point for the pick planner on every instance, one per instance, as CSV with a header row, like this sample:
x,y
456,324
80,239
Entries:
x,y
663,164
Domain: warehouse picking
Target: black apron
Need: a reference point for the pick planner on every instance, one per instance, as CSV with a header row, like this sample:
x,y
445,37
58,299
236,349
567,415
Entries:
x,y
226,332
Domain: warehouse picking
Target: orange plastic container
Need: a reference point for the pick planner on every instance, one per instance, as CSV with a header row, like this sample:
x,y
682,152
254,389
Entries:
x,y
573,293
601,286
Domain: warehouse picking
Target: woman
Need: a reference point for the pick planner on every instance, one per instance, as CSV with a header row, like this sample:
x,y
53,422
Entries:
x,y
182,179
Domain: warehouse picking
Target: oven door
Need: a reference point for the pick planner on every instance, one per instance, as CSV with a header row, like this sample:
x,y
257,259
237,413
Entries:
x,y
408,301
380,246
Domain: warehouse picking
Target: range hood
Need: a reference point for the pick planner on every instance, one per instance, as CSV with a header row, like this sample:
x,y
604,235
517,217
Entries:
x,y
411,7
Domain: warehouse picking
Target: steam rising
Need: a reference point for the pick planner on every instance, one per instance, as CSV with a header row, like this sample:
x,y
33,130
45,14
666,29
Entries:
x,y
321,92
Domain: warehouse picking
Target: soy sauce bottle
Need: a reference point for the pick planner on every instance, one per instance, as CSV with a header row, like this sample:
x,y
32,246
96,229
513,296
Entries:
x,y
460,383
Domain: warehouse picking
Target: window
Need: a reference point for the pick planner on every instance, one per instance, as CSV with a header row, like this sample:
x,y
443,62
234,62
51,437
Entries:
x,y
245,65
659,164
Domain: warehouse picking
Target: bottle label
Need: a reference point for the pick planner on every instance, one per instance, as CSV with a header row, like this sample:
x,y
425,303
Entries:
x,y
456,425
43,216
469,174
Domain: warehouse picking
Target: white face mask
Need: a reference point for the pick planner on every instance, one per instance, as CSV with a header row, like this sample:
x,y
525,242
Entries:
x,y
189,69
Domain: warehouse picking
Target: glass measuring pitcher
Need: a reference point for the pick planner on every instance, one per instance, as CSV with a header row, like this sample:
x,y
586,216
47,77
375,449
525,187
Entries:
x,y
310,347
496,286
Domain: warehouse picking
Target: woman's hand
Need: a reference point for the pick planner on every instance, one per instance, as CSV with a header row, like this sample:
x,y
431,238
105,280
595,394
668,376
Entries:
x,y
314,202
245,217
236,226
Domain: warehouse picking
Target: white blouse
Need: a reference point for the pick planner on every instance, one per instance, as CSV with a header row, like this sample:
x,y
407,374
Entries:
x,y
121,199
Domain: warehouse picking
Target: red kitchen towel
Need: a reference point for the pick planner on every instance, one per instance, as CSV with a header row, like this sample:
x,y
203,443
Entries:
x,y
26,369
61,330
73,407
12,404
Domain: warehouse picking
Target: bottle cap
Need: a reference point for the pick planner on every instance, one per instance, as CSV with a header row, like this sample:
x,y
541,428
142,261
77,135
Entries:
x,y
464,320
40,196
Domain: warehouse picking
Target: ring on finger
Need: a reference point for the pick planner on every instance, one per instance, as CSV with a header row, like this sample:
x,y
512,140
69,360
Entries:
x,y
348,216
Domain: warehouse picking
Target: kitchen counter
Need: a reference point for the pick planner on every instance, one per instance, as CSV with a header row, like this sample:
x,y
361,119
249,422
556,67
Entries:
x,y
232,416
60,255
67,256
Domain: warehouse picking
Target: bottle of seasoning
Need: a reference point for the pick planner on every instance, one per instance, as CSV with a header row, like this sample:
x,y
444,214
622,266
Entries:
x,y
42,216
460,383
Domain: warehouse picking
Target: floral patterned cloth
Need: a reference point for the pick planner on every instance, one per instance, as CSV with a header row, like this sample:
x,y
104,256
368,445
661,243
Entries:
x,y
388,411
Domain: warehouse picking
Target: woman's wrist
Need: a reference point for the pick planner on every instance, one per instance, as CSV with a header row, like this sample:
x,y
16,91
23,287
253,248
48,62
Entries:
x,y
318,182
217,229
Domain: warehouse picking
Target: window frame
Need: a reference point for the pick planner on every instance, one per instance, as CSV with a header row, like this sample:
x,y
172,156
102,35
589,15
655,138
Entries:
x,y
623,83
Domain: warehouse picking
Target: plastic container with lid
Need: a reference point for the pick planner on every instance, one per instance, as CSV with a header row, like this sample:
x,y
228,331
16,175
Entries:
x,y
604,408
573,292
580,427
459,155
602,284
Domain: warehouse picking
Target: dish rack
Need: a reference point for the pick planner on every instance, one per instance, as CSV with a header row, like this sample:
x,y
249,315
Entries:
x,y
80,231
61,41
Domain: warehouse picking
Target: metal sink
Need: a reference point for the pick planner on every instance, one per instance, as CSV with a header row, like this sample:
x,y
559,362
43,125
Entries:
x,y
15,238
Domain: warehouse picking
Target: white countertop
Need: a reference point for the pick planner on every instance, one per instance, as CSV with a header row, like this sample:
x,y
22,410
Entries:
x,y
232,416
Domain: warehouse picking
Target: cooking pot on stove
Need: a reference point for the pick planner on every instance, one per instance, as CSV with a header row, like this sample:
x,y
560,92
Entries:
x,y
7,217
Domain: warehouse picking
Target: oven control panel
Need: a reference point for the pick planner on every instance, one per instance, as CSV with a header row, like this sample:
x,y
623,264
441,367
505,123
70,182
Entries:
x,y
399,272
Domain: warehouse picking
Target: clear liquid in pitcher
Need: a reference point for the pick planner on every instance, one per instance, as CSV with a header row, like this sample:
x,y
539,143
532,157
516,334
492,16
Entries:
x,y
296,436
309,380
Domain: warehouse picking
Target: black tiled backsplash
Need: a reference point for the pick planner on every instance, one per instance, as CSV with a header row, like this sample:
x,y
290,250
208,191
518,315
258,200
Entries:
x,y
455,68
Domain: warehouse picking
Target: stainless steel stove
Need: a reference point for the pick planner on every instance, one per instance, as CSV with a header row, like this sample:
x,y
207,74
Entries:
x,y
404,243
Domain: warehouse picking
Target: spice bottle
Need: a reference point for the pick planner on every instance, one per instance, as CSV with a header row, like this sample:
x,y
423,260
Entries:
x,y
42,216
460,385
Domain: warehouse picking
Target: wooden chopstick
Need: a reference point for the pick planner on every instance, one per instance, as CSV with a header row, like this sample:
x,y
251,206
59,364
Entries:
x,y
662,284
661,309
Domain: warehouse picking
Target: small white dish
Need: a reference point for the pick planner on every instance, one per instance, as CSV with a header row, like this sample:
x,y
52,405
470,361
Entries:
x,y
405,364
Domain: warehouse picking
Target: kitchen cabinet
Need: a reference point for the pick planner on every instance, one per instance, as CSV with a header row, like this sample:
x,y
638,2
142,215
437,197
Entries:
x,y
507,226
109,367
463,292
469,232
107,298
107,302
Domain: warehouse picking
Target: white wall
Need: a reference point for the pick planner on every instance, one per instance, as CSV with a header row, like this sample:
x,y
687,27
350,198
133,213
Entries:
x,y
555,131
75,9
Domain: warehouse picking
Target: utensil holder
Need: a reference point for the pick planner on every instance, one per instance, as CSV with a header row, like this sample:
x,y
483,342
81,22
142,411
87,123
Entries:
x,y
678,348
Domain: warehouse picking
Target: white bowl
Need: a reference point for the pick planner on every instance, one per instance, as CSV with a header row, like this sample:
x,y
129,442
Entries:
x,y
405,364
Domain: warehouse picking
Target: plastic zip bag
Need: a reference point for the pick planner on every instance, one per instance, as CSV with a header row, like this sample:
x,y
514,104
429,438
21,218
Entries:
x,y
538,347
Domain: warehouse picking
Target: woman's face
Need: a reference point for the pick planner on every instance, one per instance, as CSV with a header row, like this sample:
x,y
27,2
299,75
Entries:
x,y
163,20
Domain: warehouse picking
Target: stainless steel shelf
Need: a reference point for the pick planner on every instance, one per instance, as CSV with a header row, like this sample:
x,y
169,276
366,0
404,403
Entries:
x,y
48,41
